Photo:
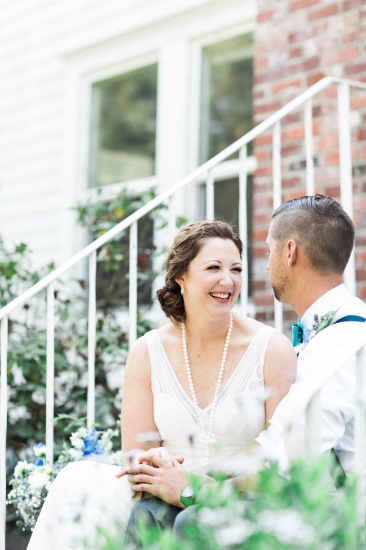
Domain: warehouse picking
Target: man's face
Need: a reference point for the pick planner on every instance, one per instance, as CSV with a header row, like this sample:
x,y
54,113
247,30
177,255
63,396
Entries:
x,y
276,268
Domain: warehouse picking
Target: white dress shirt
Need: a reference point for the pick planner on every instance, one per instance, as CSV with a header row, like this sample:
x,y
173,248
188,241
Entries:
x,y
337,398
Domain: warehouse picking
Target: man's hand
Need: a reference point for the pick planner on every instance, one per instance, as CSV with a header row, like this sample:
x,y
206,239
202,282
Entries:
x,y
161,477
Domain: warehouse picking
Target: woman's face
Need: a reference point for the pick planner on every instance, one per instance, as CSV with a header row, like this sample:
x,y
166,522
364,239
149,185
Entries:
x,y
213,280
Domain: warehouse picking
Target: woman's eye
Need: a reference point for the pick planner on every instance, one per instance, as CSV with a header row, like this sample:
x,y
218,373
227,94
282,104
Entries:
x,y
238,269
213,267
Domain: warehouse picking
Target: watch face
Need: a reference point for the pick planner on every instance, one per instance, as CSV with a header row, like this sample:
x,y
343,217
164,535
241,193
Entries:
x,y
187,496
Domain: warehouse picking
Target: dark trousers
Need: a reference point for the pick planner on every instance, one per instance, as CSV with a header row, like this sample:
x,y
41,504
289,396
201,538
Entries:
x,y
151,512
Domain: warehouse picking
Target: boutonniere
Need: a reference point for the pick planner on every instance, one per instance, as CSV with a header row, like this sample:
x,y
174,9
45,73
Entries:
x,y
302,336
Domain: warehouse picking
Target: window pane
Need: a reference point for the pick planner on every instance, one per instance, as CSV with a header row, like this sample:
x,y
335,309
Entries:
x,y
123,127
226,105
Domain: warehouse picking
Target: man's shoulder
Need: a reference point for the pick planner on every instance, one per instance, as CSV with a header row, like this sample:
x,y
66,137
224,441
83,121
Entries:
x,y
352,306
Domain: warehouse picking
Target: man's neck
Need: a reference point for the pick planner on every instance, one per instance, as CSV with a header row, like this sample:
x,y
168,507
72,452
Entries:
x,y
311,289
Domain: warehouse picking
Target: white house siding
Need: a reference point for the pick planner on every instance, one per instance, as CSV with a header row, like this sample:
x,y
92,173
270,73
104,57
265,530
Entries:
x,y
50,52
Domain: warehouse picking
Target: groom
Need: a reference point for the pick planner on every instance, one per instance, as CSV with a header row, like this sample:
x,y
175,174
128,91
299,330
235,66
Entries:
x,y
310,240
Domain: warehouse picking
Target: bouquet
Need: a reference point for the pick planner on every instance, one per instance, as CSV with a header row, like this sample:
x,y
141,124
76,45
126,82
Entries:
x,y
32,481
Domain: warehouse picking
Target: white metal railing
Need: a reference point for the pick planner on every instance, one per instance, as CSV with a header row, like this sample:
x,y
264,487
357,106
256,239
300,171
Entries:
x,y
206,172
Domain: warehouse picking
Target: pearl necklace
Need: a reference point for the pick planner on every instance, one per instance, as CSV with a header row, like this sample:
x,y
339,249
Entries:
x,y
207,435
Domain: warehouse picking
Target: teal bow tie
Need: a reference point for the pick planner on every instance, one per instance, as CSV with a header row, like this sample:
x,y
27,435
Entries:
x,y
297,333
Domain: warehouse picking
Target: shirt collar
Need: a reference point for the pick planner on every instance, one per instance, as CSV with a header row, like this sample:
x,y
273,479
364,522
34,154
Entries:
x,y
330,301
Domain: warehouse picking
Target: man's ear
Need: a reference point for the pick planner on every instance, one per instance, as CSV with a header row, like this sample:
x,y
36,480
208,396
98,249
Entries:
x,y
292,251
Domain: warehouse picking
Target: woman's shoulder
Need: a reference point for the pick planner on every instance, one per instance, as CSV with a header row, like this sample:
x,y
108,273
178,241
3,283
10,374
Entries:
x,y
251,326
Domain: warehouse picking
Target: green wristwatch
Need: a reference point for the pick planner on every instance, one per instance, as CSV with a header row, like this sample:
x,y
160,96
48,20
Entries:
x,y
187,496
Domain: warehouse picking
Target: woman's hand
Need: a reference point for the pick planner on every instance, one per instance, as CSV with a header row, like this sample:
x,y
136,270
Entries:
x,y
162,478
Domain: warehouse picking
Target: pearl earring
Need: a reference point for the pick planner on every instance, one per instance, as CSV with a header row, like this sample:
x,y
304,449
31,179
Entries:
x,y
182,288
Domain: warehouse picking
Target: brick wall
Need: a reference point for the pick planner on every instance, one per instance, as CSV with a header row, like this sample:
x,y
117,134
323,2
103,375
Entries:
x,y
298,42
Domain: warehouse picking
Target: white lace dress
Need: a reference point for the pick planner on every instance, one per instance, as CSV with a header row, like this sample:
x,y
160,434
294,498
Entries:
x,y
86,495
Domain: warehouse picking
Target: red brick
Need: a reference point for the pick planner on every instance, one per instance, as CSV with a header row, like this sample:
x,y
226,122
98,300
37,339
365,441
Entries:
x,y
293,133
361,134
361,291
263,155
261,63
296,52
359,203
266,15
354,68
293,149
264,139
284,86
326,142
349,4
268,107
358,101
323,12
341,55
314,78
291,182
263,300
302,4
362,152
332,191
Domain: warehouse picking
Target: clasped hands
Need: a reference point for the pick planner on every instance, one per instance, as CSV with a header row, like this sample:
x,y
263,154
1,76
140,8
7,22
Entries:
x,y
159,473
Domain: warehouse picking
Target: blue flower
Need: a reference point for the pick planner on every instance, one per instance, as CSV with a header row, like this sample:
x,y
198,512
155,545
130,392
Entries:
x,y
39,462
91,443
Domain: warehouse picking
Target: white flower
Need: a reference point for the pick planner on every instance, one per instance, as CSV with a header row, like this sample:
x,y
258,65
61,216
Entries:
x,y
288,526
38,481
17,413
75,454
236,532
17,373
21,468
39,450
38,397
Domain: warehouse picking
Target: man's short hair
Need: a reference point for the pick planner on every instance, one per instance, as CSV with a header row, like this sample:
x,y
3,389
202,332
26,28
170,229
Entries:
x,y
321,226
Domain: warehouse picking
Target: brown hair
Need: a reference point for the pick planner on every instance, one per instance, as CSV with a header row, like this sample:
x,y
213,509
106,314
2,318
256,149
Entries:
x,y
321,226
187,244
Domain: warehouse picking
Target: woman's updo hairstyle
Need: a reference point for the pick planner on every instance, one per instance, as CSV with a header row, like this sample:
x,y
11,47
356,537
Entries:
x,y
187,244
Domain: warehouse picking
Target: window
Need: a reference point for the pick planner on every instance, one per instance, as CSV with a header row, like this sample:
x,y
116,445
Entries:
x,y
123,127
226,115
122,148
226,94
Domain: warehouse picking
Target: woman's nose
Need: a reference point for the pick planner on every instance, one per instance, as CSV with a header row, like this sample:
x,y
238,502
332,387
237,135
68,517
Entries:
x,y
227,279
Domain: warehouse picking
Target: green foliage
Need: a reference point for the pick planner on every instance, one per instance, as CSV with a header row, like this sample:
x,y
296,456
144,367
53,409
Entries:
x,y
113,258
299,510
27,330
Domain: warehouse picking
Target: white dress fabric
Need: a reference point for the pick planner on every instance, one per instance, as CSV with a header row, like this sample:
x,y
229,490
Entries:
x,y
86,495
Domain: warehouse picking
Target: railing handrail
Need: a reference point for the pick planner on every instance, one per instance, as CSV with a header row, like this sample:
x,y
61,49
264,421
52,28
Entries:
x,y
158,200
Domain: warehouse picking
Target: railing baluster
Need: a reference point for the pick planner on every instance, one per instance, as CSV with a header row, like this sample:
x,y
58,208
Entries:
x,y
3,427
345,172
277,199
133,284
360,435
50,372
308,122
172,228
210,196
92,314
243,226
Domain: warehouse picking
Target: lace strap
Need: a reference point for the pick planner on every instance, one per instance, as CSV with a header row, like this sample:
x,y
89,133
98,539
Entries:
x,y
249,374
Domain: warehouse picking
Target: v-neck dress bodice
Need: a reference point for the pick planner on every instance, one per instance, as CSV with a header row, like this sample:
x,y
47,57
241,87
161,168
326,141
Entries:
x,y
239,416
90,492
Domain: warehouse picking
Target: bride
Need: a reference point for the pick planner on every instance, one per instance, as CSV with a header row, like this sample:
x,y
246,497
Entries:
x,y
197,385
